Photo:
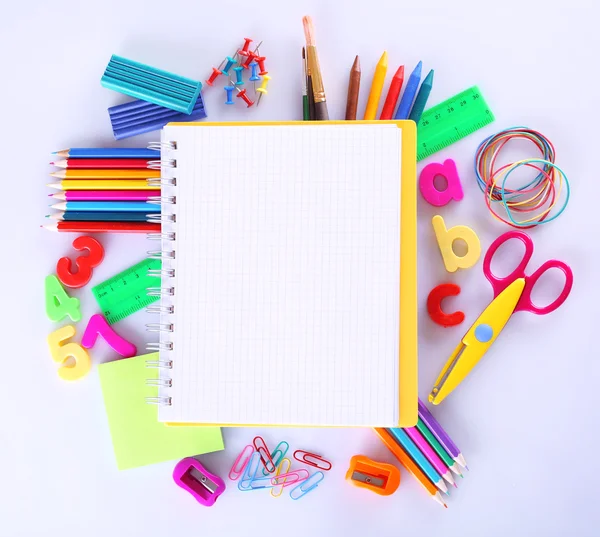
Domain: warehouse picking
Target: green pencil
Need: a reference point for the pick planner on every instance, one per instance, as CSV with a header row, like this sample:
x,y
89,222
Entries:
x,y
437,447
305,107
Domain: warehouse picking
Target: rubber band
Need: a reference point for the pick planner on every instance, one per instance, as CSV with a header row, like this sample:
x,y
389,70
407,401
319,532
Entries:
x,y
548,192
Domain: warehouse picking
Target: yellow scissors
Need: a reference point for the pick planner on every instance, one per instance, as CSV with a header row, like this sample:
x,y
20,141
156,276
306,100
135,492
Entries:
x,y
511,294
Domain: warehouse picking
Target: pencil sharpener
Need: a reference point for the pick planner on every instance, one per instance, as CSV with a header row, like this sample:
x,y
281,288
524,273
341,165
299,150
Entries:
x,y
191,476
379,477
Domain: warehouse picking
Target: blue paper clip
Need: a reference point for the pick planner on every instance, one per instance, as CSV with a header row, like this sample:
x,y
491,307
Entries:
x,y
245,482
278,454
304,487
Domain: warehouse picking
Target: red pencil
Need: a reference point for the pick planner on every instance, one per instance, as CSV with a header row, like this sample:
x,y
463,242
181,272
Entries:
x,y
102,163
393,93
104,227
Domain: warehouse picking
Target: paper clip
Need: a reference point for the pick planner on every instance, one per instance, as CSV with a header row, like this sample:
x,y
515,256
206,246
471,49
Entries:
x,y
284,479
284,466
240,463
318,462
277,455
261,447
306,486
245,483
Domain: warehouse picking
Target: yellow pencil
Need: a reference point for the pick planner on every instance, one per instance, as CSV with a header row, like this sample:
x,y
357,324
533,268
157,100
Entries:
x,y
376,87
105,174
103,184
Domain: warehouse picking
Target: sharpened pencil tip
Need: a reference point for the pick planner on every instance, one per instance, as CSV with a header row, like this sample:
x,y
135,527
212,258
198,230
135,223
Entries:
x,y
356,64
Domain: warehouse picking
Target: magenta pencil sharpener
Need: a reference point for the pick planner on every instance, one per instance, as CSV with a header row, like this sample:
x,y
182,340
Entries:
x,y
205,487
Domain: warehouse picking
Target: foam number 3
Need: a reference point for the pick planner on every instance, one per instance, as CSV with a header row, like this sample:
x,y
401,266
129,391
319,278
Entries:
x,y
85,263
98,326
81,363
58,303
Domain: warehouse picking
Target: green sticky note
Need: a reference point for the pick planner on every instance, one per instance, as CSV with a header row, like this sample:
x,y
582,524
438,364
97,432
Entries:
x,y
137,435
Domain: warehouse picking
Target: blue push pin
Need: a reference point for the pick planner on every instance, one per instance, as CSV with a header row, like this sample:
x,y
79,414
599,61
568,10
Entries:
x,y
254,76
230,62
229,91
239,81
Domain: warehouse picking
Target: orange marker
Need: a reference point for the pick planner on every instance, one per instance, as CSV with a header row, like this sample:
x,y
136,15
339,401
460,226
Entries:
x,y
393,93
379,477
408,463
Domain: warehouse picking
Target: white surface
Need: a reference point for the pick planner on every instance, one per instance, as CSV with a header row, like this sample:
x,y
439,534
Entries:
x,y
526,418
287,273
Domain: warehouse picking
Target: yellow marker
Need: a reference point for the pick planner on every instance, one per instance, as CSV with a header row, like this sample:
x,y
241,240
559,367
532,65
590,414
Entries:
x,y
62,352
446,237
263,88
376,87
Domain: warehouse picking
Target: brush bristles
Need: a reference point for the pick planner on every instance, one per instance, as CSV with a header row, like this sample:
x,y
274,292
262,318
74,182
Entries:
x,y
309,31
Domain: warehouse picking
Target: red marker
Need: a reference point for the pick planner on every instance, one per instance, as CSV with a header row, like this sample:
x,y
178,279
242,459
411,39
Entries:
x,y
393,93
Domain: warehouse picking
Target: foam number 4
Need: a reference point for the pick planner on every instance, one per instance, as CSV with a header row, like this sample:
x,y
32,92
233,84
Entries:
x,y
58,303
98,326
85,263
61,352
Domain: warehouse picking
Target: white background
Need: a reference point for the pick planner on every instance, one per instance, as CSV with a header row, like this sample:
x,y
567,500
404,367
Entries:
x,y
525,419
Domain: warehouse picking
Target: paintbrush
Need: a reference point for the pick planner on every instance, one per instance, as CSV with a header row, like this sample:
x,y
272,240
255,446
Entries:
x,y
315,71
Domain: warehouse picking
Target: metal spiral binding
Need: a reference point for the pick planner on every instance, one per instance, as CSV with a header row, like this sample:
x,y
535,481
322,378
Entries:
x,y
165,308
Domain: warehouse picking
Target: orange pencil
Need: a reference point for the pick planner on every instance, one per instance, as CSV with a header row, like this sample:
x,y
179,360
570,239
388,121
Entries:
x,y
105,174
408,463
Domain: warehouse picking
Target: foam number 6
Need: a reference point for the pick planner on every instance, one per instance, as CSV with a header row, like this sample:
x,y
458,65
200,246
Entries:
x,y
85,264
58,303
98,326
62,352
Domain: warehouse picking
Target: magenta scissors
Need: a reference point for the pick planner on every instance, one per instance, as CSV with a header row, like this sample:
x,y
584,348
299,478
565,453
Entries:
x,y
511,294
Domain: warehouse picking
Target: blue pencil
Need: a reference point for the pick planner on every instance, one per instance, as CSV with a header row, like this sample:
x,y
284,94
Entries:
x,y
108,152
422,96
419,459
91,216
409,93
109,206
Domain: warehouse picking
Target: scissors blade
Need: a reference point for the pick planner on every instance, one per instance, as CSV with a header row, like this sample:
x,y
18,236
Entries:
x,y
477,341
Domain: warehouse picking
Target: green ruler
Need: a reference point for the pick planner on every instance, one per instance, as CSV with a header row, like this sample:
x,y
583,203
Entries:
x,y
451,121
125,293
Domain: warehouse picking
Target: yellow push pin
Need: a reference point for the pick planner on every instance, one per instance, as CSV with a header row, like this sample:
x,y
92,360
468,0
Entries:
x,y
263,88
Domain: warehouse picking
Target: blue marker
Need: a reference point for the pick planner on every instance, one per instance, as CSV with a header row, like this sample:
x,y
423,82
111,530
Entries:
x,y
422,96
409,93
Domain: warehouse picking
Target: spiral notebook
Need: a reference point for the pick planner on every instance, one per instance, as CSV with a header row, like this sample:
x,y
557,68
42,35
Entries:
x,y
289,274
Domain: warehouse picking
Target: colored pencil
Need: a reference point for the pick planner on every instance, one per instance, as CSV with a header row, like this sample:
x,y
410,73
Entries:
x,y
441,435
421,99
104,227
321,113
103,163
105,174
376,87
110,206
106,195
305,108
393,93
353,90
108,152
410,91
102,184
104,216
408,463
438,448
429,454
415,454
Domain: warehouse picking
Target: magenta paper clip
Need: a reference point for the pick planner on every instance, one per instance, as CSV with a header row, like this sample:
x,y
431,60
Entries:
x,y
245,482
306,486
295,476
240,463
205,487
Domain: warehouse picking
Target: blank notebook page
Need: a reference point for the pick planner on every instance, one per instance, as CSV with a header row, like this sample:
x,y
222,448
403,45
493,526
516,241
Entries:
x,y
287,275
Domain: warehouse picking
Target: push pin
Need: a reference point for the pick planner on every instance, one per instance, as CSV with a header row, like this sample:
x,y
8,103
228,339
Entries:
x,y
229,93
378,477
239,81
229,63
261,65
191,476
263,88
244,50
250,58
244,96
254,75
213,76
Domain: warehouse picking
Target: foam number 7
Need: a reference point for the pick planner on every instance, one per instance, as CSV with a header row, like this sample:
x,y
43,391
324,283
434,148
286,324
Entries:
x,y
85,263
98,326
61,353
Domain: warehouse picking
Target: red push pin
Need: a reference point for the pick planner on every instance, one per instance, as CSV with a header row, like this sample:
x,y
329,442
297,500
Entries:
x,y
261,65
213,77
249,59
243,95
246,47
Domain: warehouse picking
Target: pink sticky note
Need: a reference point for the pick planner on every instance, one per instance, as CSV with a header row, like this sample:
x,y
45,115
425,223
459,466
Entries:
x,y
98,326
432,195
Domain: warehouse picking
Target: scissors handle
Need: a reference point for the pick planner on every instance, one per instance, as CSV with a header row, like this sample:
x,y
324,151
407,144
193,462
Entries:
x,y
499,284
525,303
